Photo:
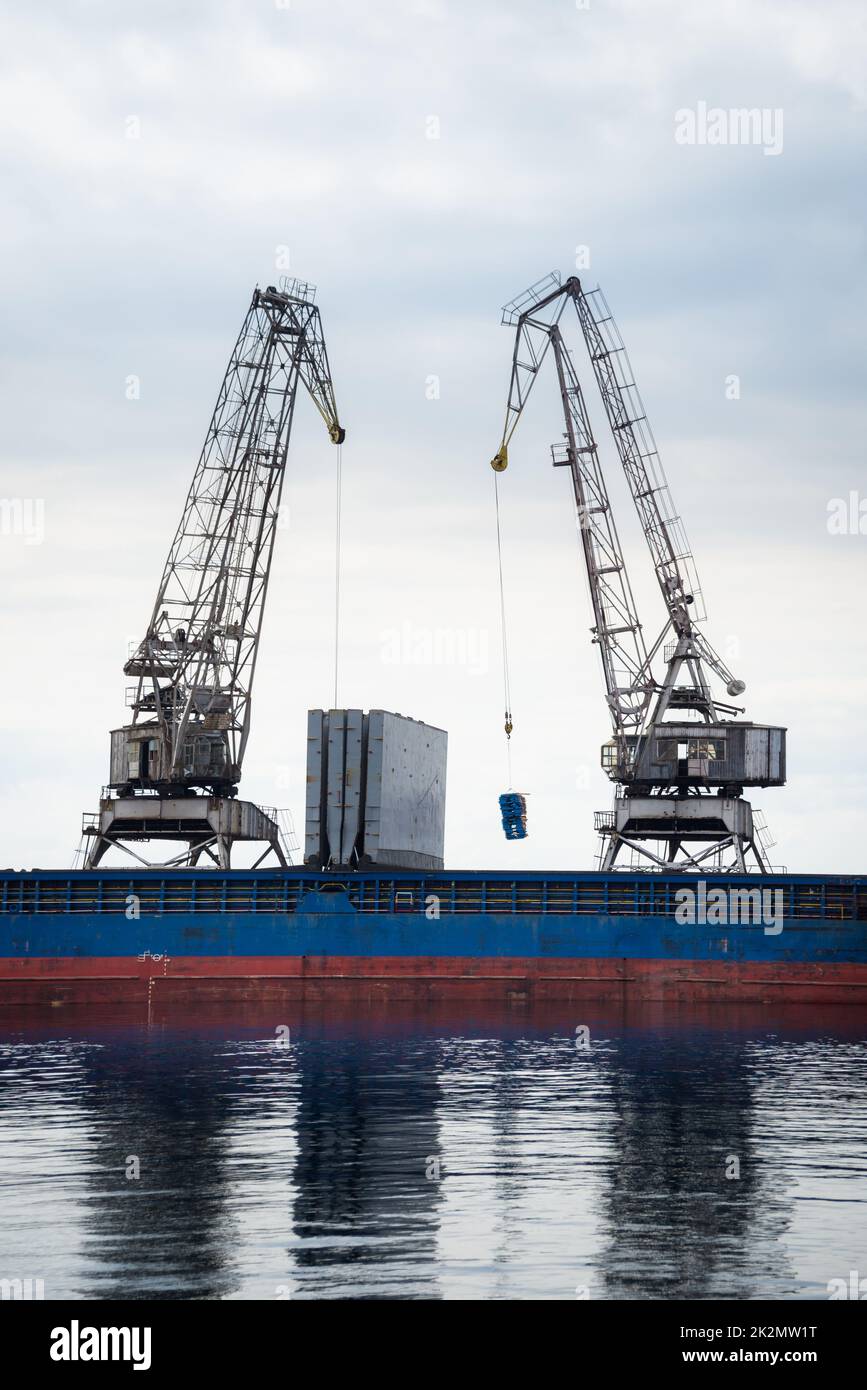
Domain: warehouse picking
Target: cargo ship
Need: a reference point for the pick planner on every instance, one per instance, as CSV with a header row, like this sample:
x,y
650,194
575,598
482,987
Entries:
x,y
212,936
684,906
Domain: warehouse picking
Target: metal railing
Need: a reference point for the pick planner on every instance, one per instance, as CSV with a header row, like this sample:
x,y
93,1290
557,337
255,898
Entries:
x,y
273,892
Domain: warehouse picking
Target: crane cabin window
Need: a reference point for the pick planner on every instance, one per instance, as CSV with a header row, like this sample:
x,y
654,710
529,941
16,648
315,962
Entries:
x,y
667,750
708,749
611,757
671,750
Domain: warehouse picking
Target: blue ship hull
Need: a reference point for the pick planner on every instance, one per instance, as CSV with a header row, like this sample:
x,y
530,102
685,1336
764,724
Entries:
x,y
111,935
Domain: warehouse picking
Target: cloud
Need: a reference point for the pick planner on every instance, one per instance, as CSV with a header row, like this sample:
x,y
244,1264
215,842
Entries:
x,y
133,248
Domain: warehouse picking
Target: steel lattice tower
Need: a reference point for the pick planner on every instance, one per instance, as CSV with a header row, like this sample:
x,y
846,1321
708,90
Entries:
x,y
679,759
175,770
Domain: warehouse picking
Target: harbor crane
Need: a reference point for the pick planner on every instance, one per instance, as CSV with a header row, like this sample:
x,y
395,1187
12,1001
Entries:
x,y
679,756
175,769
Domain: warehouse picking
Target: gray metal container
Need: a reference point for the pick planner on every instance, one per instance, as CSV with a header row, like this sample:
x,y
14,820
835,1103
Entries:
x,y
375,790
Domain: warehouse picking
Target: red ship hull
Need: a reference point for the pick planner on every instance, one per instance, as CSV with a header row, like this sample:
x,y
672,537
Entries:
x,y
224,979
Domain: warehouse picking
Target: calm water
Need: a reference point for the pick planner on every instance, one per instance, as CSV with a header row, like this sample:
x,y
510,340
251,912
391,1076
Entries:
x,y
470,1152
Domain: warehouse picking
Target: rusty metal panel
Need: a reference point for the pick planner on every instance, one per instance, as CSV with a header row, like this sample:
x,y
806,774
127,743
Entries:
x,y
317,766
776,760
756,760
118,762
352,784
335,731
404,820
344,732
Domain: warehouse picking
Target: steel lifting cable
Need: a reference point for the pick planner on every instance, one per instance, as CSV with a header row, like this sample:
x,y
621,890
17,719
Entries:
x,y
507,691
337,569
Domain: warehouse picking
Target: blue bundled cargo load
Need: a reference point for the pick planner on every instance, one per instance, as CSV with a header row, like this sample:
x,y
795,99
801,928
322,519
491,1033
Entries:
x,y
513,809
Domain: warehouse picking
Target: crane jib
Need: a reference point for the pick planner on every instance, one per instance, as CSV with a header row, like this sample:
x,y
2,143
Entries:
x,y
679,762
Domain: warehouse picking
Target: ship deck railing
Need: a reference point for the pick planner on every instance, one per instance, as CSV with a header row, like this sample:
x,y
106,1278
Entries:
x,y
211,891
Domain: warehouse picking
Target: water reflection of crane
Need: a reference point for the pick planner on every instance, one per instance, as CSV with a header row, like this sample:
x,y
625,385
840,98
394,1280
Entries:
x,y
689,1210
607,1169
167,1234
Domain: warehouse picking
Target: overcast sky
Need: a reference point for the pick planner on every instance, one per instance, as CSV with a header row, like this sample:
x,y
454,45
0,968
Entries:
x,y
422,163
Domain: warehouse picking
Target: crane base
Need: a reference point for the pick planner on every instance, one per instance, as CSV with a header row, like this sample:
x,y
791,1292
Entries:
x,y
719,830
209,825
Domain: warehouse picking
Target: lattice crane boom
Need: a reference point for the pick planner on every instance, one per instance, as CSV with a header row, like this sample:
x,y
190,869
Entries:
x,y
673,563
196,662
537,315
617,629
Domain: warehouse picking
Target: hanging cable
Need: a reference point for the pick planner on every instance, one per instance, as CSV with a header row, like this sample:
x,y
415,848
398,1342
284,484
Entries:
x,y
507,692
337,570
